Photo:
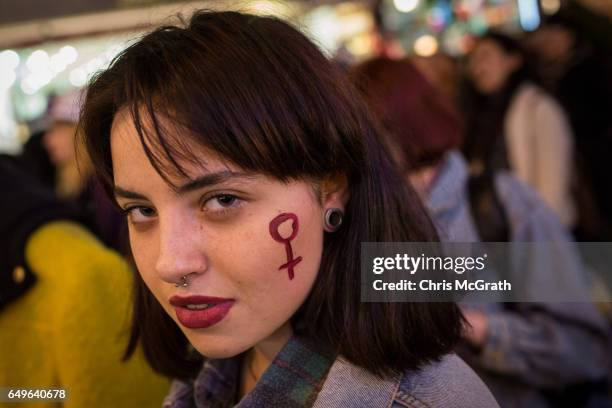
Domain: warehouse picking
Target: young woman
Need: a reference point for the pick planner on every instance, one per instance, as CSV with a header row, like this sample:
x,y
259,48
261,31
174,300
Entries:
x,y
250,174
513,124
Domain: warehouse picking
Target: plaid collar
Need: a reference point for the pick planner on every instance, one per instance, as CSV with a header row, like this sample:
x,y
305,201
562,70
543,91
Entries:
x,y
293,380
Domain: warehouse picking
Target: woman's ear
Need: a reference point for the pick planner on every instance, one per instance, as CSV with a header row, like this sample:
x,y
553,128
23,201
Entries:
x,y
334,192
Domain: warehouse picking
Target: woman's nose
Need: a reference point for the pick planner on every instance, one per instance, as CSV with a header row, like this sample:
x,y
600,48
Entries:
x,y
181,249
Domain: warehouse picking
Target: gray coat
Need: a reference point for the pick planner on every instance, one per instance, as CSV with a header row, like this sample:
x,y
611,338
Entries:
x,y
536,345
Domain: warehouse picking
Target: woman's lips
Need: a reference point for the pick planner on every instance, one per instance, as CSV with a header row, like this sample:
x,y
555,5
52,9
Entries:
x,y
215,310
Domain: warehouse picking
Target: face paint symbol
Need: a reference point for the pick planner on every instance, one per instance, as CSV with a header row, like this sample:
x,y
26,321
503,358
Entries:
x,y
274,232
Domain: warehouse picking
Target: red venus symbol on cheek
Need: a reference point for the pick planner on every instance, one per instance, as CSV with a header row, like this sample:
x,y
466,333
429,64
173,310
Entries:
x,y
295,226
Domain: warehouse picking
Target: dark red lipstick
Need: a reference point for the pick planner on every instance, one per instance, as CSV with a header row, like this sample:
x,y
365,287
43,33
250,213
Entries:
x,y
199,312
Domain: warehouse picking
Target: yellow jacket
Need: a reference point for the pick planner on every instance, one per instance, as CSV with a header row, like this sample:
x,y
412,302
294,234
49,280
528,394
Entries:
x,y
69,331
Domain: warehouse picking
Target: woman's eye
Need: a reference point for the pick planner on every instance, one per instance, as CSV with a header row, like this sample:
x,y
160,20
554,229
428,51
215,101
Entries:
x,y
140,214
222,203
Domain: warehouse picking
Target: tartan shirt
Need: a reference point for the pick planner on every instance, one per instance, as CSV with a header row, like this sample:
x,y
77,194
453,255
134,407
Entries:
x,y
292,380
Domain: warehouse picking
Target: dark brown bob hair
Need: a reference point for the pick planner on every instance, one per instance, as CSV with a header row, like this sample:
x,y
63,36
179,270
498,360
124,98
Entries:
x,y
257,92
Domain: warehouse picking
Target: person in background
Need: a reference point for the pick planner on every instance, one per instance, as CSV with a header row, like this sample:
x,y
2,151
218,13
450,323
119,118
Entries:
x,y
34,160
521,350
74,175
64,305
579,75
513,124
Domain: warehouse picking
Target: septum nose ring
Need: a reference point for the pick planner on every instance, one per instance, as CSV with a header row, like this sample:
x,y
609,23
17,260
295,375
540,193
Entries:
x,y
182,283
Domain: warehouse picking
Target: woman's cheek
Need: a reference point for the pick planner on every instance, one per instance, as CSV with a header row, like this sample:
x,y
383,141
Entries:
x,y
144,254
297,243
265,276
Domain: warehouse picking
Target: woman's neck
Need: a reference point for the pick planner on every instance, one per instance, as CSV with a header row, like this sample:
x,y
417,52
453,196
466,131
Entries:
x,y
259,358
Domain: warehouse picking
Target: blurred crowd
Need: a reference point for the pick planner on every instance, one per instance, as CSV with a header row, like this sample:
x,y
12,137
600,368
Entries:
x,y
510,144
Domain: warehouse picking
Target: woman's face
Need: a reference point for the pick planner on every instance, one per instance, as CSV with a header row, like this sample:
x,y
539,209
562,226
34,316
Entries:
x,y
59,143
489,66
229,233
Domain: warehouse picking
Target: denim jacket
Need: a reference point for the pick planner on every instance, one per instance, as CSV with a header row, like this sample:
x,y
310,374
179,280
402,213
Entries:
x,y
446,383
300,377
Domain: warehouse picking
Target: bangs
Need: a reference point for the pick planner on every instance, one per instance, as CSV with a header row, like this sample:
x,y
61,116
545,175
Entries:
x,y
239,96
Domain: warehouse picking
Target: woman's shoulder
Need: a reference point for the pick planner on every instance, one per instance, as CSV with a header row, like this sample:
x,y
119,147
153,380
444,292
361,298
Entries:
x,y
536,99
530,90
448,382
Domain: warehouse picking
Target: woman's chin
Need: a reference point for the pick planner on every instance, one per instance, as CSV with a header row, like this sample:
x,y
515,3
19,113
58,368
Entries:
x,y
215,349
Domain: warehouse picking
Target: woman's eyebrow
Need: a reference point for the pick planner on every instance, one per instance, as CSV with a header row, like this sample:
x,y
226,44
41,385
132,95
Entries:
x,y
206,180
120,192
211,179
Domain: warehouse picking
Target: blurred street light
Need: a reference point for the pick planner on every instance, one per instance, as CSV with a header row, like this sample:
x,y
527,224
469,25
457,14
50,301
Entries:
x,y
426,45
405,6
